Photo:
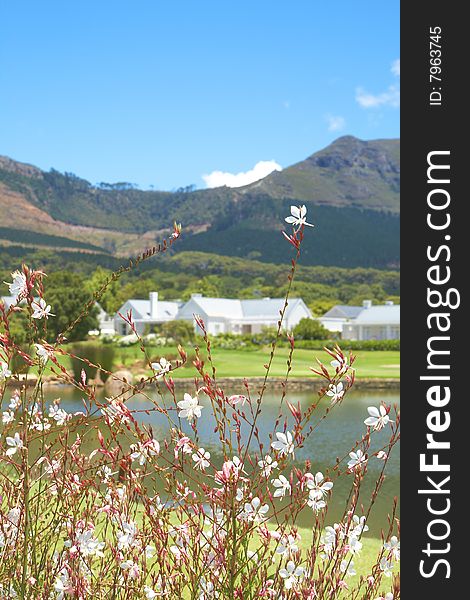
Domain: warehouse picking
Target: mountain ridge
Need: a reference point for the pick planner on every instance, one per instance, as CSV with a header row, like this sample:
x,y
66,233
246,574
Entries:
x,y
351,187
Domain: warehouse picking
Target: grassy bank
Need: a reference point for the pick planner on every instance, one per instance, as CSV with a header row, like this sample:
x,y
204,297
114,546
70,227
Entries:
x,y
250,363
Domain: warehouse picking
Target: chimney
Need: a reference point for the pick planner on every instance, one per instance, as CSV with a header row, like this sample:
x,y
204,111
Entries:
x,y
153,296
367,303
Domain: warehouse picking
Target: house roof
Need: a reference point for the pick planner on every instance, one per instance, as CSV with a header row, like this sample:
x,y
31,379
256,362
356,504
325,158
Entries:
x,y
141,309
343,311
267,308
379,315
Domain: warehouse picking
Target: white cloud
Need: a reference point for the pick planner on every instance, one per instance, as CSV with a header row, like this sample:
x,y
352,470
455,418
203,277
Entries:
x,y
260,170
391,97
335,123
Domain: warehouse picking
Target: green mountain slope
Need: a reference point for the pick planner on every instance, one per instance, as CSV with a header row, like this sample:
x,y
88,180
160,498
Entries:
x,y
351,189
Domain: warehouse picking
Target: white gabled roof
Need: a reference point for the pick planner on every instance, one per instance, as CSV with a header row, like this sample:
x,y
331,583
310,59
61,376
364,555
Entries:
x,y
379,315
265,308
141,309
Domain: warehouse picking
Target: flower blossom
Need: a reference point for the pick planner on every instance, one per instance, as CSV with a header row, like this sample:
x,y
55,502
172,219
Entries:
x,y
358,460
142,452
336,392
126,535
298,216
255,511
282,486
284,443
41,310
18,287
201,459
347,567
393,547
190,407
317,486
5,372
378,417
291,574
161,367
267,465
15,443
8,417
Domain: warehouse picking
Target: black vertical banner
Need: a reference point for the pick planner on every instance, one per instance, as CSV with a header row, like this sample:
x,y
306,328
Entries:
x,y
435,254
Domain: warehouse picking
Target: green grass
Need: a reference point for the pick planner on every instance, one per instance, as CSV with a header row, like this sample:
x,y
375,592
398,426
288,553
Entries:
x,y
249,363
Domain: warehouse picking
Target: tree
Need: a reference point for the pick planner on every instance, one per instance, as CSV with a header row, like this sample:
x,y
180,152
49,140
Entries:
x,y
66,293
181,331
310,329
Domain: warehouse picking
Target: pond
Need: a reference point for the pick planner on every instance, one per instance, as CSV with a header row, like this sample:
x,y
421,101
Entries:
x,y
334,437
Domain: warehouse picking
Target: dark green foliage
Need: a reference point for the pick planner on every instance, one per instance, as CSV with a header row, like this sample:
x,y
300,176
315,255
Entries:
x,y
346,345
181,331
66,294
21,236
310,329
96,353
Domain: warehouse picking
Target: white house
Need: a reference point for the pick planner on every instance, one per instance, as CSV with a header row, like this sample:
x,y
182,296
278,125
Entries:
x,y
105,321
336,317
227,315
145,314
381,322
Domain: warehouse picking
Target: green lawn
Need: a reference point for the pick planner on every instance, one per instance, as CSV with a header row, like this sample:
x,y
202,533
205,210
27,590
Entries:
x,y
249,363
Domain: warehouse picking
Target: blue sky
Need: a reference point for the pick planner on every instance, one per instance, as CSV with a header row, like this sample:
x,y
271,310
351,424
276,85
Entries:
x,y
162,93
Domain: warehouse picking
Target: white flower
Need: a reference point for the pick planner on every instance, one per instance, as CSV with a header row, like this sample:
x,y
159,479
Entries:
x,y
255,511
15,401
318,487
388,596
336,392
393,546
126,535
386,566
149,593
347,567
62,585
201,459
18,287
298,216
206,590
282,486
88,545
267,465
284,443
358,460
41,310
15,444
291,574
4,371
149,551
43,353
238,399
8,417
340,363
381,455
132,568
287,545
143,452
315,504
105,473
59,415
190,407
116,411
359,525
161,367
355,546
378,417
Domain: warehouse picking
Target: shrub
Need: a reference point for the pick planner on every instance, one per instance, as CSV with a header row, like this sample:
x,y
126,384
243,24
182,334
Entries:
x,y
310,329
80,515
182,332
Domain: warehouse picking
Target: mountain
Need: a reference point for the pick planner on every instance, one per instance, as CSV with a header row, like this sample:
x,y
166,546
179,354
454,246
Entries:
x,y
351,189
349,172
